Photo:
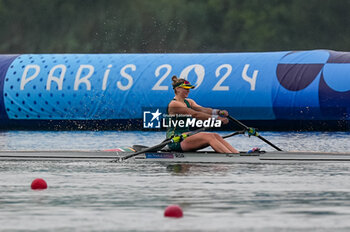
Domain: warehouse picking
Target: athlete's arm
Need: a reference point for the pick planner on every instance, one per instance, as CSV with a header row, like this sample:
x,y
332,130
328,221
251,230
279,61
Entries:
x,y
199,108
176,107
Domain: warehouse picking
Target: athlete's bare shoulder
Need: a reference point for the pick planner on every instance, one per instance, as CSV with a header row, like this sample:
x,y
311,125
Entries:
x,y
175,103
192,103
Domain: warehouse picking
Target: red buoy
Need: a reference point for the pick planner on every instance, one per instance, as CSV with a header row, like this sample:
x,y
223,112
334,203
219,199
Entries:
x,y
39,184
173,211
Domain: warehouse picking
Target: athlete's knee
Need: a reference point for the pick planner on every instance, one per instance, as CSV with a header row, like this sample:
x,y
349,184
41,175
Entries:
x,y
211,137
217,136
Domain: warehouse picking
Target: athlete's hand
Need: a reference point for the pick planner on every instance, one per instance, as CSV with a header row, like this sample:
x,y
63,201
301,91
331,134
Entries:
x,y
223,120
223,113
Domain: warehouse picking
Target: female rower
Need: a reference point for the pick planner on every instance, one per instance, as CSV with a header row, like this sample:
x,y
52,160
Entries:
x,y
180,107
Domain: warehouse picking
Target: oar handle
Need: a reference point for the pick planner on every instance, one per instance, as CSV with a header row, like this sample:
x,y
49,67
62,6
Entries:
x,y
257,135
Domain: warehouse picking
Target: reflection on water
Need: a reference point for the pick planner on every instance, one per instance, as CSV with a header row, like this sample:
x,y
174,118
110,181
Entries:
x,y
179,168
198,169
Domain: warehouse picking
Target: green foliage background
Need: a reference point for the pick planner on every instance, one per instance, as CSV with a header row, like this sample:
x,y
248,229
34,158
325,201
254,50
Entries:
x,y
107,26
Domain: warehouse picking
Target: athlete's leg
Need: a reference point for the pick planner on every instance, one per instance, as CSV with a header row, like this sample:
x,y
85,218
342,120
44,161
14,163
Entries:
x,y
223,141
201,140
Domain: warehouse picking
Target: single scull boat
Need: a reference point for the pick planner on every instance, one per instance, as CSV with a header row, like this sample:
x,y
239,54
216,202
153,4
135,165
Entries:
x,y
178,157
156,154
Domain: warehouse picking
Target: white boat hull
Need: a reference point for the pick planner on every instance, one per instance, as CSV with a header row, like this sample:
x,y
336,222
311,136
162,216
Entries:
x,y
209,157
177,157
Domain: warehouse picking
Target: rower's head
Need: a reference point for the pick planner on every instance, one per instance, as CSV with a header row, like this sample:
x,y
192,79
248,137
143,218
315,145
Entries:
x,y
180,84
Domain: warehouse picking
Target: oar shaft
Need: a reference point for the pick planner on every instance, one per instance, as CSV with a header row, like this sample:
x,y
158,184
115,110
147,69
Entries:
x,y
268,142
161,145
238,122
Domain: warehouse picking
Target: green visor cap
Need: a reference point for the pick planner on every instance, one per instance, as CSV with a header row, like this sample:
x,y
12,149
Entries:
x,y
185,85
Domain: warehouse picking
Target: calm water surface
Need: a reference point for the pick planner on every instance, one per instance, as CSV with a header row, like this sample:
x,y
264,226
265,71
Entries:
x,y
102,196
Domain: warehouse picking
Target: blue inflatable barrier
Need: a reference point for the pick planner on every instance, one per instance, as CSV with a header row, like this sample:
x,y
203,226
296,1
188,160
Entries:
x,y
274,90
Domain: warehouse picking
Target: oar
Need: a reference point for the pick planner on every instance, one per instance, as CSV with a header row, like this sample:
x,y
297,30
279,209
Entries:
x,y
162,144
254,133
